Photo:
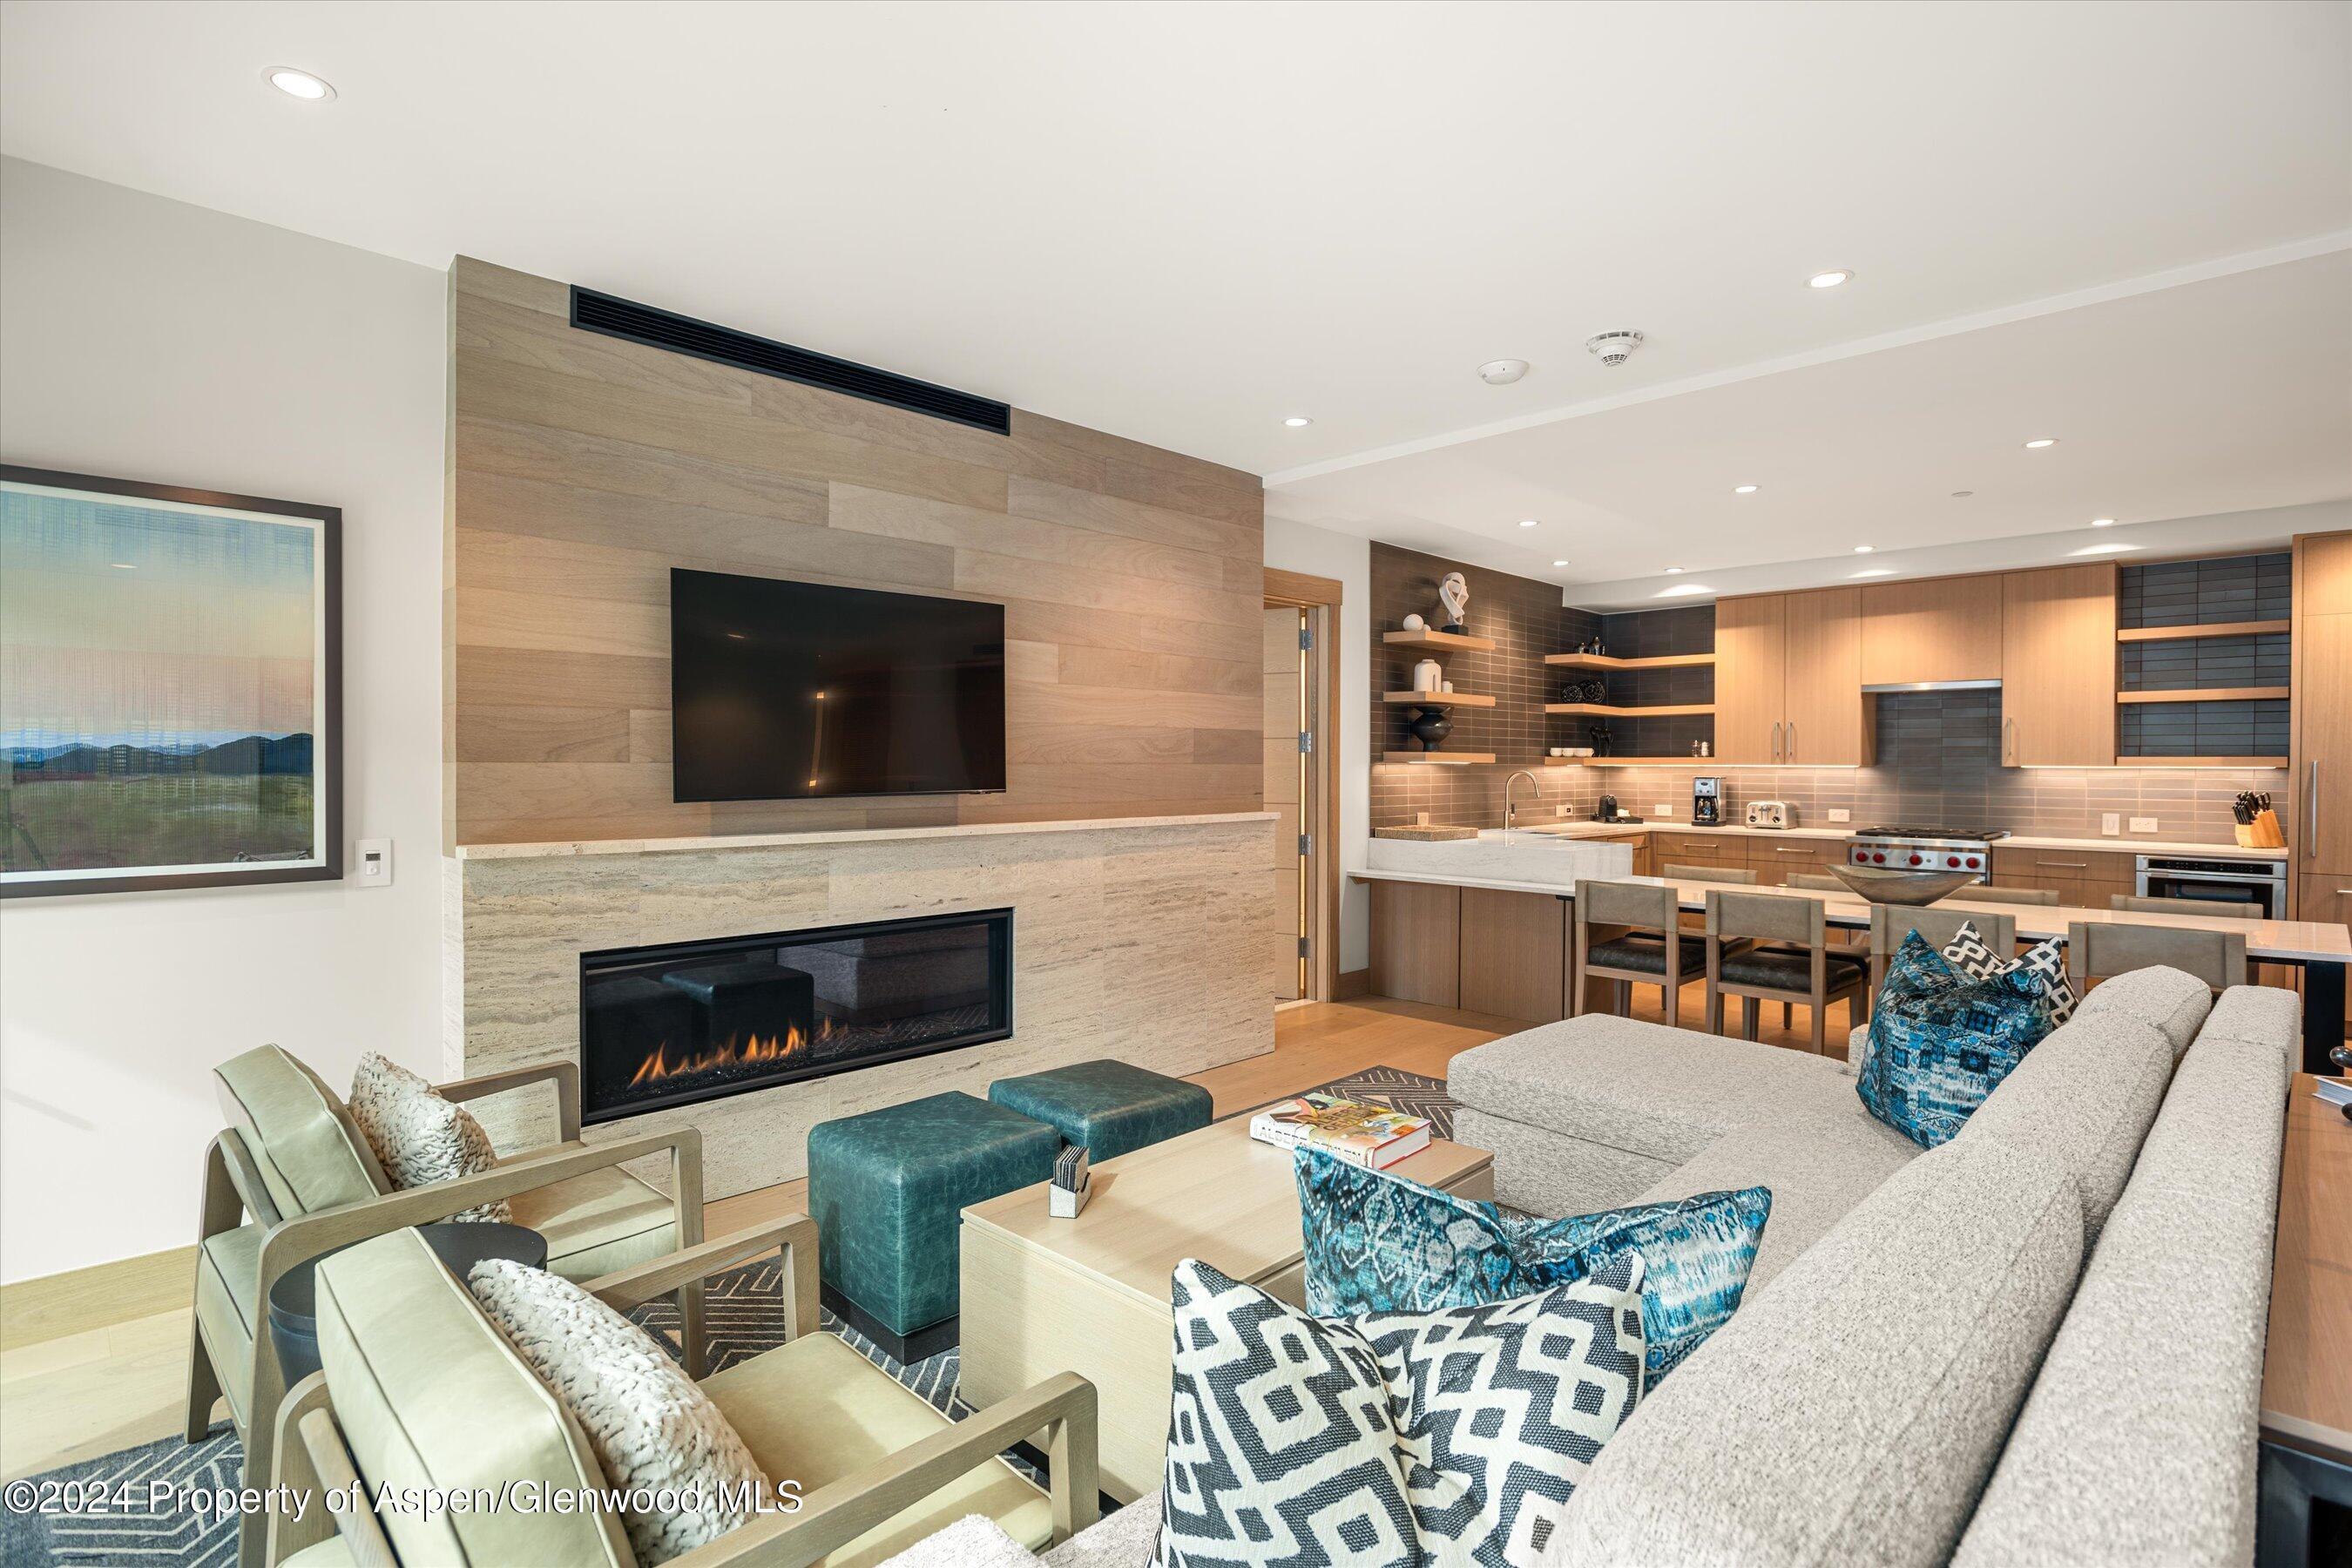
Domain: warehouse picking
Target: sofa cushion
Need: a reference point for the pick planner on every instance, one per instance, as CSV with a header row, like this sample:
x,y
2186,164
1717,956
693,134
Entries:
x,y
1660,1093
2262,1013
1379,1242
1818,1165
2138,1443
2045,962
814,1411
2171,1001
1542,1171
308,1154
1451,1436
429,1395
685,1476
418,1137
1850,1413
1941,1043
2085,1098
598,1221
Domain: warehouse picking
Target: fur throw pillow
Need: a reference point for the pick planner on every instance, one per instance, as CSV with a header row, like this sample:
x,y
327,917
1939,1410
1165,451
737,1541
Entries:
x,y
654,1434
418,1137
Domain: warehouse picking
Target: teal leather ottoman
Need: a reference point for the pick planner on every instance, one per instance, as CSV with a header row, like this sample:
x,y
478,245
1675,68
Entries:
x,y
886,1190
1107,1108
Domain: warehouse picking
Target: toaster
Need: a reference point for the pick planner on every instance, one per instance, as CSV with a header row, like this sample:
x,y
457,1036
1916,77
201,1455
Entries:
x,y
1768,813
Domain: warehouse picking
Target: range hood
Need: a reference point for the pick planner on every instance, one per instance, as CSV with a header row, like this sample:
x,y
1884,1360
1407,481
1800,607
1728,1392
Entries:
x,y
1990,685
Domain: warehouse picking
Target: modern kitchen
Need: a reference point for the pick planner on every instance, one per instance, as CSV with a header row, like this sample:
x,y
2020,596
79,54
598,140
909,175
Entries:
x,y
2060,741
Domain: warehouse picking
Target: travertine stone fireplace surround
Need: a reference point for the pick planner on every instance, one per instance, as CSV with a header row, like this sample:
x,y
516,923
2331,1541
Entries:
x,y
1145,939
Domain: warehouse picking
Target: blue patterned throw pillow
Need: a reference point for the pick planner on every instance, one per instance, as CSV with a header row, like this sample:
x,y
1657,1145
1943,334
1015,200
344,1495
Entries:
x,y
1397,1438
1377,1242
1941,1042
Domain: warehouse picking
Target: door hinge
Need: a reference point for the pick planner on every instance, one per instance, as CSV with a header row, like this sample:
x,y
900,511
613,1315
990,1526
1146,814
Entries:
x,y
1306,742
1306,843
1302,947
1306,638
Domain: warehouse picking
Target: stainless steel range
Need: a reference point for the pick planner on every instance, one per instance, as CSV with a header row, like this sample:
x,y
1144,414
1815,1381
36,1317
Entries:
x,y
1910,848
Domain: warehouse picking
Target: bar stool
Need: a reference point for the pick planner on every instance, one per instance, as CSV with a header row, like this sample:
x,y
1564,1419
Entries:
x,y
2103,950
1797,967
1654,953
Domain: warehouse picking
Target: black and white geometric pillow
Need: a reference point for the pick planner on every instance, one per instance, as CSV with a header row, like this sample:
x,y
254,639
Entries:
x,y
1394,1437
2045,961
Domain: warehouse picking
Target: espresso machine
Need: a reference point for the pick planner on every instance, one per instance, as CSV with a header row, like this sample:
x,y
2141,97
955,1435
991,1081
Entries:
x,y
1707,803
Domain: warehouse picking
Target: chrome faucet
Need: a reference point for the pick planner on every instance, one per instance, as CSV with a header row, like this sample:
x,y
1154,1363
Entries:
x,y
1510,811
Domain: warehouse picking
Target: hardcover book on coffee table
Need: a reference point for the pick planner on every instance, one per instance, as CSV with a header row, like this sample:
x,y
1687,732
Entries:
x,y
1371,1136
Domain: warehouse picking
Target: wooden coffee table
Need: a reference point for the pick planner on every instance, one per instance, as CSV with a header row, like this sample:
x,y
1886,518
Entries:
x,y
1089,1295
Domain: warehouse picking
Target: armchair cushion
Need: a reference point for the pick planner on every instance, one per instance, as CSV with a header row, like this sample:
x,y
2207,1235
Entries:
x,y
429,1394
308,1155
418,1137
598,1222
228,1267
687,1478
814,1411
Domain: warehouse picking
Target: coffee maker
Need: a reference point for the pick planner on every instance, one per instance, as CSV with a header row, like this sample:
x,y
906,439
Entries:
x,y
1707,803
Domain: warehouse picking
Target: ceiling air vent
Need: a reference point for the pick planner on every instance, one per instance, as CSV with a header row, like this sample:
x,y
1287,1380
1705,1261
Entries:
x,y
594,312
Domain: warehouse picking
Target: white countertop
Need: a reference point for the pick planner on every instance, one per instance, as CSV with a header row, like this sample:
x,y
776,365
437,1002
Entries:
x,y
2118,846
836,835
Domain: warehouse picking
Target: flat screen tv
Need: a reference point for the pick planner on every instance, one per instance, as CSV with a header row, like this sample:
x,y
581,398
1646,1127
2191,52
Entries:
x,y
795,690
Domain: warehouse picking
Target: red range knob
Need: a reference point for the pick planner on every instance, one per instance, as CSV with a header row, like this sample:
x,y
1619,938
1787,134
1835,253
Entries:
x,y
1914,860
1881,859
1951,860
1972,862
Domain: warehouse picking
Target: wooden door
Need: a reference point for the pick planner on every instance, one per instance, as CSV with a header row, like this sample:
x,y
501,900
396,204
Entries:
x,y
1285,685
1940,628
1750,678
1822,705
2320,822
2058,668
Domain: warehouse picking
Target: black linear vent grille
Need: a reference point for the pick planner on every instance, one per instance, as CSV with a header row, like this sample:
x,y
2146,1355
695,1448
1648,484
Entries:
x,y
594,312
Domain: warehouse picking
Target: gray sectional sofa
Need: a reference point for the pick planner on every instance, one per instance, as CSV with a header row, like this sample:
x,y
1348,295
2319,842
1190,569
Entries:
x,y
2041,1344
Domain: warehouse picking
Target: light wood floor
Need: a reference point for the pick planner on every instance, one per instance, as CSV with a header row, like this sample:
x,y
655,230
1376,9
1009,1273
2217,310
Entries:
x,y
69,1394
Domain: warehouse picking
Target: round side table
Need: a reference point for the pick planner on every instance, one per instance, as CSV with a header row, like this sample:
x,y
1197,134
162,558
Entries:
x,y
459,1244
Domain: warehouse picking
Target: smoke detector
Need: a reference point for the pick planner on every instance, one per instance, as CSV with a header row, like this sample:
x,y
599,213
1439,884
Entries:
x,y
1614,348
1502,372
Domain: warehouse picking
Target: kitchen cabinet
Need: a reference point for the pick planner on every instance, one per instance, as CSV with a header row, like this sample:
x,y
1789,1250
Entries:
x,y
1937,629
2086,879
2323,574
2058,668
2319,822
1417,942
1514,949
1788,679
1773,861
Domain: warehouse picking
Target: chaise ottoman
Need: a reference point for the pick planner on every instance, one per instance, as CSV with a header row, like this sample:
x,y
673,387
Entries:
x,y
886,1190
1107,1108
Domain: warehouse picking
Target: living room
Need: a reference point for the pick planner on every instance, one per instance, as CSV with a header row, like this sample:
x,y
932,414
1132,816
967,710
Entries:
x,y
829,897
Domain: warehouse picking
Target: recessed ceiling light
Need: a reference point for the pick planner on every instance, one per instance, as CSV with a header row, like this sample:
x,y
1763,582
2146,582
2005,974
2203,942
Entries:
x,y
1864,549
300,84
123,566
1673,570
2103,523
1876,571
1298,421
1743,489
1528,521
1560,562
2041,441
1827,279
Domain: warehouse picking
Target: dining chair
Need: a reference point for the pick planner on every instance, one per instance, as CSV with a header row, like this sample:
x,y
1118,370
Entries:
x,y
1786,958
2103,950
2236,909
1739,876
1890,924
1985,893
1655,950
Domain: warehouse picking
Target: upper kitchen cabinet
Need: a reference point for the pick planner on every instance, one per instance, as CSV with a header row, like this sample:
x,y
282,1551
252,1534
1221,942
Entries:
x,y
2323,574
2058,668
1751,665
1788,679
1941,630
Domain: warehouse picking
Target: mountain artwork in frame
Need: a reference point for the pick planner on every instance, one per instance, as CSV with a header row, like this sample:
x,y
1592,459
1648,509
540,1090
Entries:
x,y
171,673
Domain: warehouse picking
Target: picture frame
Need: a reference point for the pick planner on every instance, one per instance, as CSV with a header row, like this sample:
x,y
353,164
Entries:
x,y
171,687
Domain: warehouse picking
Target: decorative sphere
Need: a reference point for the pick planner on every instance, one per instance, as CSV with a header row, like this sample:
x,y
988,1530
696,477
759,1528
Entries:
x,y
1414,624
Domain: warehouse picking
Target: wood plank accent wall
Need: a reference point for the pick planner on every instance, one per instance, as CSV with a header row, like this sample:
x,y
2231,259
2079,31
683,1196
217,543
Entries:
x,y
582,467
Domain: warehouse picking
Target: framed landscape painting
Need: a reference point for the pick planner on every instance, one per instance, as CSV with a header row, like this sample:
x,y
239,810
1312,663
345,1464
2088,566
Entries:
x,y
169,687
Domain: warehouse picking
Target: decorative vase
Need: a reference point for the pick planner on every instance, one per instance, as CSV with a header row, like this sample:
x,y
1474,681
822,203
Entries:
x,y
1428,676
1430,726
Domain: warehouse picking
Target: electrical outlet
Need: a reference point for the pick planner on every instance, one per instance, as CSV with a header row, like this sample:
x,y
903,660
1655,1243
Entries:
x,y
1560,810
1840,814
1664,809
2111,823
2143,825
1420,819
371,858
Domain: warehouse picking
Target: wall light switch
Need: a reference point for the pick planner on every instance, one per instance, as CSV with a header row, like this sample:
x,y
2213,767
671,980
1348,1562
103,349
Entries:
x,y
372,859
1840,814
1664,809
2143,825
2111,822
1420,819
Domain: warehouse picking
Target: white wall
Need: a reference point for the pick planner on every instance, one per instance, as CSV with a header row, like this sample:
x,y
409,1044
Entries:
x,y
145,339
1295,547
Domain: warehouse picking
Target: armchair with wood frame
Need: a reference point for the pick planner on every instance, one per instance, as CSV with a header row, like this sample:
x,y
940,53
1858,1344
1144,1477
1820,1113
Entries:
x,y
290,1179
876,1468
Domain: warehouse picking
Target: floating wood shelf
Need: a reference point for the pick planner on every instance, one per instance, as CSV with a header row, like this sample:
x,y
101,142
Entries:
x,y
1435,699
1637,762
1608,710
2209,694
2209,629
1610,661
2201,761
1463,643
1456,759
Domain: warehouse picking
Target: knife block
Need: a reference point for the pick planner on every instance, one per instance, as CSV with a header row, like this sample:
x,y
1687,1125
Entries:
x,y
2262,833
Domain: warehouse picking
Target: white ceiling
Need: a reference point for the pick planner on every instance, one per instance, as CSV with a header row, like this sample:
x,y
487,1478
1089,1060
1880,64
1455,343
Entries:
x,y
1182,223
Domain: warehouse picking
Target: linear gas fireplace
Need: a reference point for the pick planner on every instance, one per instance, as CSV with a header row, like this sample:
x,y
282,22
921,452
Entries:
x,y
690,1021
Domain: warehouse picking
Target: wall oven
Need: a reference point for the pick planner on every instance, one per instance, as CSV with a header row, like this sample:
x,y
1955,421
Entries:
x,y
2262,883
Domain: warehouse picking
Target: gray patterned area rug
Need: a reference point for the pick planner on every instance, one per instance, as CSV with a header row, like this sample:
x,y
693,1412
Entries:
x,y
744,1316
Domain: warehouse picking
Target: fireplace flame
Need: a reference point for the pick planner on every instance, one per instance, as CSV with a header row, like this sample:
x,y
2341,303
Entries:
x,y
661,1067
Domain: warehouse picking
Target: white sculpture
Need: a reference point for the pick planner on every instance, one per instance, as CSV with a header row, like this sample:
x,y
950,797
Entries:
x,y
1428,676
1414,624
1453,601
